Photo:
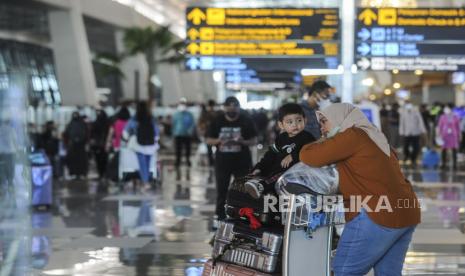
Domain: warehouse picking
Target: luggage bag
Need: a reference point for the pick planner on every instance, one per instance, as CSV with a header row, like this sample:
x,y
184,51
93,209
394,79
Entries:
x,y
225,269
257,249
238,198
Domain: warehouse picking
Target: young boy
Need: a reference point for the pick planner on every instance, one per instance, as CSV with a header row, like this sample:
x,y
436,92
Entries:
x,y
284,153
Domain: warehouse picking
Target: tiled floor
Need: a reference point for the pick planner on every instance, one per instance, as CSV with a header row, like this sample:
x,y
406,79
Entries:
x,y
96,231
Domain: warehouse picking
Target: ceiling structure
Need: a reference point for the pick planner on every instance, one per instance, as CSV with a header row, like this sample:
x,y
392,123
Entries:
x,y
172,12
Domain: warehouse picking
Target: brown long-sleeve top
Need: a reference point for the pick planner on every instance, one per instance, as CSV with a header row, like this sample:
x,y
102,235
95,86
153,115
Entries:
x,y
365,171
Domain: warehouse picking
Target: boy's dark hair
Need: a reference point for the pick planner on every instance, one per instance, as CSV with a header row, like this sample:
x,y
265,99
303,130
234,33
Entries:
x,y
289,108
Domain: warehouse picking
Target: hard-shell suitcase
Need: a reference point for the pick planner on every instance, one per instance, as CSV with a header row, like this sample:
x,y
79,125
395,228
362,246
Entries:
x,y
42,179
225,269
246,254
266,239
430,159
259,249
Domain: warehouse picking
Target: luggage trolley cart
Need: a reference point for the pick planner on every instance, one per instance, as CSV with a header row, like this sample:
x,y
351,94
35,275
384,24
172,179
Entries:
x,y
308,231
303,252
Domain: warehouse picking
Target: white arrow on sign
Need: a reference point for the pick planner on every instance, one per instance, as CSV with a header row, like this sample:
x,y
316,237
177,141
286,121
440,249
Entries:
x,y
364,34
364,49
193,63
364,63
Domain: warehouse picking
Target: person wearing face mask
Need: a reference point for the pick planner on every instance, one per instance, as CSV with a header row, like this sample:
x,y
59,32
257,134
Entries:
x,y
411,127
183,130
317,97
232,133
449,130
369,172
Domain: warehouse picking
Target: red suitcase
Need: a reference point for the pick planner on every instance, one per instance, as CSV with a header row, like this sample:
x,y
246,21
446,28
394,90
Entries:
x,y
225,269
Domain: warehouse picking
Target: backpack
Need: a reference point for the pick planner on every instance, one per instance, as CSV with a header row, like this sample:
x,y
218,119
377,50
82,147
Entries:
x,y
145,133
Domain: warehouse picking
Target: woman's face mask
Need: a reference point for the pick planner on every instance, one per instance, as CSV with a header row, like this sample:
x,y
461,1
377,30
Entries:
x,y
333,131
323,103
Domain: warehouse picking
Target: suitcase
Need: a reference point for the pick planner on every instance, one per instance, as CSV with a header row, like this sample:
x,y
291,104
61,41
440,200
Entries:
x,y
266,239
257,249
42,179
246,254
430,159
225,269
238,198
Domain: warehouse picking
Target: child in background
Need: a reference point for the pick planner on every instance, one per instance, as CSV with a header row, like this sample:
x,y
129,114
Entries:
x,y
284,153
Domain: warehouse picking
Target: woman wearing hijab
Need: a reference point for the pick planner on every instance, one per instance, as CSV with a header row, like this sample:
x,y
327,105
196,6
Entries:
x,y
382,209
99,133
76,137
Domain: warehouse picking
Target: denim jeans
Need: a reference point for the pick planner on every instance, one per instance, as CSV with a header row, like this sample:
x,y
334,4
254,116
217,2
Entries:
x,y
144,166
365,245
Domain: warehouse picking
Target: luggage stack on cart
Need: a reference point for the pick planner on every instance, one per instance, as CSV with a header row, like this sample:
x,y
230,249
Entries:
x,y
249,241
299,242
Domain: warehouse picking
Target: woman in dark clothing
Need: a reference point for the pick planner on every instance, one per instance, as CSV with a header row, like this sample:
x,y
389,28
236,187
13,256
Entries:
x,y
99,133
50,143
76,136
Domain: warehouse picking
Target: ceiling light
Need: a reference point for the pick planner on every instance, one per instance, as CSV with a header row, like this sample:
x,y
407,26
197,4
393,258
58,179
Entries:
x,y
387,92
322,72
418,72
396,85
372,97
368,82
395,71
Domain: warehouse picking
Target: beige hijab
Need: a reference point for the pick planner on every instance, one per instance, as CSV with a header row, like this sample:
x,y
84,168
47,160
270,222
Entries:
x,y
346,116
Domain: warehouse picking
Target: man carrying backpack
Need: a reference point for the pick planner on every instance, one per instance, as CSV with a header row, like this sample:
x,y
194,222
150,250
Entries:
x,y
143,132
183,129
76,137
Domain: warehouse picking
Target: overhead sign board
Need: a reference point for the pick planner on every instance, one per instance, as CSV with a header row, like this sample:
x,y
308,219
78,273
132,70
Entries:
x,y
262,24
410,39
264,33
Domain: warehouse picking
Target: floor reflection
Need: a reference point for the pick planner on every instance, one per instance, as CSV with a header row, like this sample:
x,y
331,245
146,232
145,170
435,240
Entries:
x,y
102,229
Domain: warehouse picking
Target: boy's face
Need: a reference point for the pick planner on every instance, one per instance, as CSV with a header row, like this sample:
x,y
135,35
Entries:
x,y
293,124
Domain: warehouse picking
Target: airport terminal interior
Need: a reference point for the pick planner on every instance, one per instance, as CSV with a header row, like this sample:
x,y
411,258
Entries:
x,y
82,192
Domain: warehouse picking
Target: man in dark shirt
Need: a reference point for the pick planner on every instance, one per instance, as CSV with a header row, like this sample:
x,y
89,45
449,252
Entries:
x,y
284,153
318,97
232,133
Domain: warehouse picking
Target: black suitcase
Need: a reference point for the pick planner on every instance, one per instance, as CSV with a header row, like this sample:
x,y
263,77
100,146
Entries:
x,y
238,198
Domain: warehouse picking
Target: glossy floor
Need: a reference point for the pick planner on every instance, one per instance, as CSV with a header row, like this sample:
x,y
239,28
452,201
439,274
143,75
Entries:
x,y
94,230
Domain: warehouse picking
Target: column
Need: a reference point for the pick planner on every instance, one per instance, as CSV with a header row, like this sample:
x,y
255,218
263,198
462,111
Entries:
x,y
347,48
72,56
129,66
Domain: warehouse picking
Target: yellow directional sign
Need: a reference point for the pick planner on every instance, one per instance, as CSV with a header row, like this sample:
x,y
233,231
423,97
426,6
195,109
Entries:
x,y
216,16
207,34
193,48
387,17
196,16
193,34
367,16
207,48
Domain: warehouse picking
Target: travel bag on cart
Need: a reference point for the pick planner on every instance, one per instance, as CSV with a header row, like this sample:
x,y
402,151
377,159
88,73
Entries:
x,y
225,269
238,198
259,249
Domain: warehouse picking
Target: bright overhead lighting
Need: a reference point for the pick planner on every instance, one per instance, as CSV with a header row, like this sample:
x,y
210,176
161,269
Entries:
x,y
395,71
418,72
396,85
368,82
387,92
372,97
322,72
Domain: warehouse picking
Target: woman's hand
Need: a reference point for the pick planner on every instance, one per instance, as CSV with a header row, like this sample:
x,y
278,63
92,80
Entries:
x,y
286,161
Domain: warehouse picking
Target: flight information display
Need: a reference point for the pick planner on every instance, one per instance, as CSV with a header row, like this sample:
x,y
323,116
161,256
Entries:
x,y
263,33
410,39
